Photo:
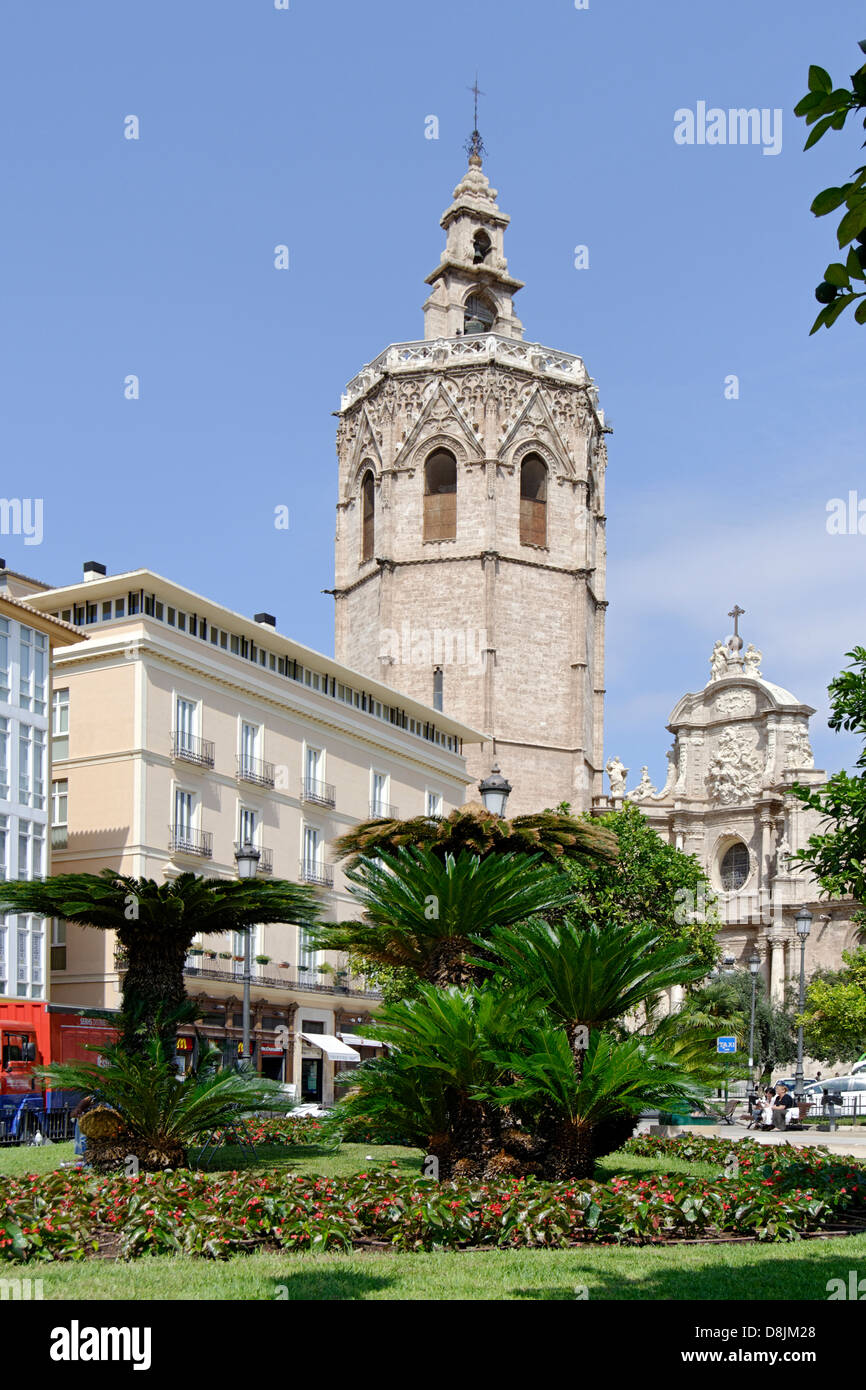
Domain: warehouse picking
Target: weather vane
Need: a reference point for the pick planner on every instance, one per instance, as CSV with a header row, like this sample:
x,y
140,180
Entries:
x,y
475,145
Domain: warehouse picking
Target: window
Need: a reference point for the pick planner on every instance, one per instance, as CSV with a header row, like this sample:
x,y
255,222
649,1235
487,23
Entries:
x,y
4,936
312,850
183,809
250,748
479,314
31,850
368,517
434,804
248,827
734,868
4,659
59,816
314,767
437,687
4,854
31,767
60,724
307,960
33,670
533,501
186,724
379,799
58,944
440,496
4,759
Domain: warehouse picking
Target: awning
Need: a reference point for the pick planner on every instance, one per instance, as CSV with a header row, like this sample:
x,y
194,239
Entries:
x,y
335,1050
355,1041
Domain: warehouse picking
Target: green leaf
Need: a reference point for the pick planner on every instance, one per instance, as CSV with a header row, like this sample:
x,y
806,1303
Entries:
x,y
820,129
837,275
853,266
837,307
808,103
827,201
853,223
819,79
860,312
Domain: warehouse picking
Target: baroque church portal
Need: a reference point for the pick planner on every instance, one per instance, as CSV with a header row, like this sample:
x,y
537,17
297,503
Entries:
x,y
470,545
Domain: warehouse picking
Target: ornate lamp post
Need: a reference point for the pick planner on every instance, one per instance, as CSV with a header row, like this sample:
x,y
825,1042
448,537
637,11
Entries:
x,y
495,791
803,923
247,859
754,967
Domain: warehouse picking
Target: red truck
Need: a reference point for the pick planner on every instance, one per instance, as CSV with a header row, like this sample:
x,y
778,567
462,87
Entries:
x,y
34,1034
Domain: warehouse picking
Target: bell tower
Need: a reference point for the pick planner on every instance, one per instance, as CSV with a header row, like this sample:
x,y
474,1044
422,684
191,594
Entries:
x,y
470,548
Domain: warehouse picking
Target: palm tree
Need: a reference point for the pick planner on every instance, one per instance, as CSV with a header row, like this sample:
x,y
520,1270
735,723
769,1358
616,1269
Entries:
x,y
149,1113
553,835
156,924
421,910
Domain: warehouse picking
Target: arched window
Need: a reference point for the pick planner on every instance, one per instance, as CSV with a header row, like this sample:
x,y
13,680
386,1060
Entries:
x,y
368,517
533,501
734,868
480,247
479,314
440,496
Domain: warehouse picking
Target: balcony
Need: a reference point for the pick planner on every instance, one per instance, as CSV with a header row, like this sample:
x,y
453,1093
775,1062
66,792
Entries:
x,y
254,770
380,810
266,861
322,793
189,749
262,976
312,872
184,840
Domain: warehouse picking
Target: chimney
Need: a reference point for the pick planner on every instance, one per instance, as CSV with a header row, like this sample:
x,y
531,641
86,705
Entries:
x,y
265,619
93,570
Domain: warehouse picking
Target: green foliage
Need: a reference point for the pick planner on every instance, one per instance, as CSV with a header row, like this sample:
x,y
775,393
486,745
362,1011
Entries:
x,y
649,884
420,911
161,1115
156,923
837,855
554,835
834,1020
723,1006
826,107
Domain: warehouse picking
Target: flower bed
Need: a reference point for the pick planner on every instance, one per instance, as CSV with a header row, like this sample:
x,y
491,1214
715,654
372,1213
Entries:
x,y
776,1195
295,1130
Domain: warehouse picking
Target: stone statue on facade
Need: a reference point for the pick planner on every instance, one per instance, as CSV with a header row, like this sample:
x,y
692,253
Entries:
x,y
719,661
752,659
617,773
644,787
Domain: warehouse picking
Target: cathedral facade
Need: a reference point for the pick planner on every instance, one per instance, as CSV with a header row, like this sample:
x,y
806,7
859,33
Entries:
x,y
740,744
470,548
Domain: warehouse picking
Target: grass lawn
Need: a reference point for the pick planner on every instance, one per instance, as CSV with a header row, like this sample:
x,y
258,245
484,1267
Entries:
x,y
793,1271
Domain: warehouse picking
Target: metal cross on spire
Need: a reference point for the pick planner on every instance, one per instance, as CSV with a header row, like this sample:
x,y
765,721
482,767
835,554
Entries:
x,y
736,613
475,145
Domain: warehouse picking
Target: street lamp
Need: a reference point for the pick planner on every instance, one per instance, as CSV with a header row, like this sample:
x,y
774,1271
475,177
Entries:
x,y
803,923
754,967
247,859
494,791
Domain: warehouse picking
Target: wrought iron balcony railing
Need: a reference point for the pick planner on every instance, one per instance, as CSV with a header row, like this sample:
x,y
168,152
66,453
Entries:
x,y
185,840
322,793
255,770
313,872
266,861
381,810
190,749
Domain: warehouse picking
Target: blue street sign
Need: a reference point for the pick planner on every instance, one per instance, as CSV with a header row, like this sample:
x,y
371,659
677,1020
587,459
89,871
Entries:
x,y
726,1044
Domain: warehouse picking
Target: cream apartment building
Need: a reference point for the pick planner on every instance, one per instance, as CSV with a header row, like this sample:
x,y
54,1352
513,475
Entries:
x,y
181,729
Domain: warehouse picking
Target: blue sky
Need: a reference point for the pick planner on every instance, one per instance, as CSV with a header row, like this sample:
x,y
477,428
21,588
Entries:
x,y
306,127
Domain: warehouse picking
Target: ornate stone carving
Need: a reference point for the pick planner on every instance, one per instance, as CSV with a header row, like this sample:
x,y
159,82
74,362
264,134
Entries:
x,y
799,751
617,773
644,787
718,661
735,702
734,771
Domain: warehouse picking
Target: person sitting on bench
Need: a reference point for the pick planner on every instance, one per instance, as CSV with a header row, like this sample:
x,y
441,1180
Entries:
x,y
784,1106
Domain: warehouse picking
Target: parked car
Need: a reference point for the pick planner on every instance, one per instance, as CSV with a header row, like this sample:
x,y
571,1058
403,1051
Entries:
x,y
858,1067
791,1082
847,1092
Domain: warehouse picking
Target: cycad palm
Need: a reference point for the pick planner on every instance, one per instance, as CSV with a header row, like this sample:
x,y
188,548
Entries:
x,y
156,924
420,912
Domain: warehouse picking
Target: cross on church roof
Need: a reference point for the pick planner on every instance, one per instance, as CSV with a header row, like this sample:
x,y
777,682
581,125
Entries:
x,y
736,613
475,145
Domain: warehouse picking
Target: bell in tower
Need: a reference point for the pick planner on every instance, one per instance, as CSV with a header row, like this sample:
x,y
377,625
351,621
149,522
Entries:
x,y
470,552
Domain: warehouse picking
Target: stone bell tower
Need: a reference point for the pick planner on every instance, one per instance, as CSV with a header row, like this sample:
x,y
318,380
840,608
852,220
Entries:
x,y
470,547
